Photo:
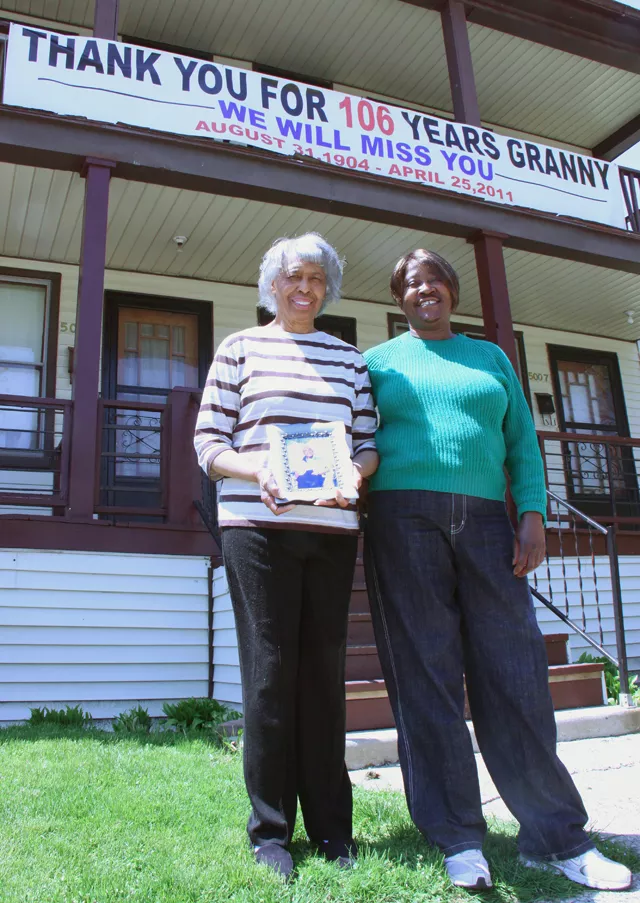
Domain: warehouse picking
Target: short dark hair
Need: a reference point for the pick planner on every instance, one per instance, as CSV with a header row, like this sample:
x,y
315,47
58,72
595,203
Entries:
x,y
435,262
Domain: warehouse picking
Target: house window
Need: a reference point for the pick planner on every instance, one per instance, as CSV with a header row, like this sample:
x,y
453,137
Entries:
x,y
24,309
29,318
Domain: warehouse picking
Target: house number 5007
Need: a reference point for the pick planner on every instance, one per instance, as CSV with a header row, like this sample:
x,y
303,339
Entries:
x,y
539,377
67,327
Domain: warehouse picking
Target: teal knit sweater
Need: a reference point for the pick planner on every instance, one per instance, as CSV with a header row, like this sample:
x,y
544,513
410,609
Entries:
x,y
452,417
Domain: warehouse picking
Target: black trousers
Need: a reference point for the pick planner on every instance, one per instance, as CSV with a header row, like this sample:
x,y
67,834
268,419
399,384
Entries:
x,y
290,591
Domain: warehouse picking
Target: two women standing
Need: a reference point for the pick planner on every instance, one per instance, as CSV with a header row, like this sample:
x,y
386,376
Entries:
x,y
444,572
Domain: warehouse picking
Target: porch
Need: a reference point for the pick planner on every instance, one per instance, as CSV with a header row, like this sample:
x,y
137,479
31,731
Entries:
x,y
97,463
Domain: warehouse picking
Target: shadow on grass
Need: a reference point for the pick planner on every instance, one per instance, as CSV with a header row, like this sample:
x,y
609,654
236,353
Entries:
x,y
405,846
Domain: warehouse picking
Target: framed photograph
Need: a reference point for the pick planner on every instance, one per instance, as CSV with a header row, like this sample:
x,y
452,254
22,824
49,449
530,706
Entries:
x,y
311,461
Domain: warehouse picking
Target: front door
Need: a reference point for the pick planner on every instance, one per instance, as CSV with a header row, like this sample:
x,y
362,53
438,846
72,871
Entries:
x,y
152,348
600,477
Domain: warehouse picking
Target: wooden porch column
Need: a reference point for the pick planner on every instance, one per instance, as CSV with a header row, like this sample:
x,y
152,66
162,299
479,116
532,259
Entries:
x,y
183,476
494,293
105,19
458,50
86,376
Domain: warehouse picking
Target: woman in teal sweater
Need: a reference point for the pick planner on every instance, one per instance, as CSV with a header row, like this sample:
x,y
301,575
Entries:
x,y
445,574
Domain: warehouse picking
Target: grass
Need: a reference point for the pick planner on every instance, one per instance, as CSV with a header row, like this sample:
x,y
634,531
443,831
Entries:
x,y
91,817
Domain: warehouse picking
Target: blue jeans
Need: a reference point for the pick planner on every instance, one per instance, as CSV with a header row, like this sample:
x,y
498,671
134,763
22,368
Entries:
x,y
446,607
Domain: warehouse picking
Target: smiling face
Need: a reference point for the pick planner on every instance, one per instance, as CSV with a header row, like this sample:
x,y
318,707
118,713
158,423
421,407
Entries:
x,y
299,290
426,301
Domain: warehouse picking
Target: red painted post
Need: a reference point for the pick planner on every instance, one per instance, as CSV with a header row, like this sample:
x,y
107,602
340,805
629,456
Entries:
x,y
182,475
88,339
459,62
494,293
105,19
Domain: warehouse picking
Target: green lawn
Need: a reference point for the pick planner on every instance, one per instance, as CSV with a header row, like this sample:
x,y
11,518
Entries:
x,y
90,817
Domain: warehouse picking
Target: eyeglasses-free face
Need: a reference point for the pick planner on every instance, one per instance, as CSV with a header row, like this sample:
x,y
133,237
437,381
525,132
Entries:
x,y
299,291
426,302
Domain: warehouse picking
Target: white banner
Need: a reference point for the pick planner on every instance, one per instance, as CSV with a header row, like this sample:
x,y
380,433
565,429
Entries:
x,y
113,82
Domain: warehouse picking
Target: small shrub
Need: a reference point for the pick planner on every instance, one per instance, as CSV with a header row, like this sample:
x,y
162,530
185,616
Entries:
x,y
197,714
70,716
134,721
612,678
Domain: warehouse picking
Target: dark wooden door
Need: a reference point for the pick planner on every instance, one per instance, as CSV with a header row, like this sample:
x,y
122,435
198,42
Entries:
x,y
600,477
151,346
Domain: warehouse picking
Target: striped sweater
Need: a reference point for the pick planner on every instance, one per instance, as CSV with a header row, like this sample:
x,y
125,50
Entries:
x,y
267,376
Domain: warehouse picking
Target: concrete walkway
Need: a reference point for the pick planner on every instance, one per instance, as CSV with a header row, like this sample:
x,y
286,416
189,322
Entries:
x,y
607,774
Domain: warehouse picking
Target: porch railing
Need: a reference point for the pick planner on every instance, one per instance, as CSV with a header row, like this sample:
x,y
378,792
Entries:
x,y
596,473
132,462
630,180
146,467
34,451
580,582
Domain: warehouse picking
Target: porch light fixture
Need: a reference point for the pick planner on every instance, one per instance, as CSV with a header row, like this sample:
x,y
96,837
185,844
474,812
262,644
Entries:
x,y
180,241
630,316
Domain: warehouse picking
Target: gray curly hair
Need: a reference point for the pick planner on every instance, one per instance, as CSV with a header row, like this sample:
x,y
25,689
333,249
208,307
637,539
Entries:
x,y
308,248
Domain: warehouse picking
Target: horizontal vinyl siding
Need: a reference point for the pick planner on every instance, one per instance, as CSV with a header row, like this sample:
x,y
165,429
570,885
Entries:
x,y
102,630
227,685
568,596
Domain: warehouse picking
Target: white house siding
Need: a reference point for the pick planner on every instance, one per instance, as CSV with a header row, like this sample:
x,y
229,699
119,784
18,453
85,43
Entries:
x,y
227,686
570,602
103,630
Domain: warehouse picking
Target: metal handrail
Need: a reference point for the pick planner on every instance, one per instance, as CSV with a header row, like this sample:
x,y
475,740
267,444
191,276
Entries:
x,y
626,698
580,514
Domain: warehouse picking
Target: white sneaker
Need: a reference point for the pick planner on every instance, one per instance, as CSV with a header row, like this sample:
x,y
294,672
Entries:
x,y
591,869
469,869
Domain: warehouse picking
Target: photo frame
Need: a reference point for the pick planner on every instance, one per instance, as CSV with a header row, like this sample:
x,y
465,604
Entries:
x,y
310,461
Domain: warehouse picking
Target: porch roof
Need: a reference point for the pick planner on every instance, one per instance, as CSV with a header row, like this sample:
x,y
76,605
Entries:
x,y
227,237
395,49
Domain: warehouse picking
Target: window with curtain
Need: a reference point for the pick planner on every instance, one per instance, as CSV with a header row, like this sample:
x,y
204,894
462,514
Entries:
x,y
23,315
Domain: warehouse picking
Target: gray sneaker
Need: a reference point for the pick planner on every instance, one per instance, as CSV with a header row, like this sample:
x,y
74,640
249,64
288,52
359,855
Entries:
x,y
469,870
591,869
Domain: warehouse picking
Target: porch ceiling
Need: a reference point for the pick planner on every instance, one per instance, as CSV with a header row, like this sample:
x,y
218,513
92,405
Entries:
x,y
227,237
386,47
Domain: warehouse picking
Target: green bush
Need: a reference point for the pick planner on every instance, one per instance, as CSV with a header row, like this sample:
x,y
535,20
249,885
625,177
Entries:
x,y
70,716
612,678
134,721
197,714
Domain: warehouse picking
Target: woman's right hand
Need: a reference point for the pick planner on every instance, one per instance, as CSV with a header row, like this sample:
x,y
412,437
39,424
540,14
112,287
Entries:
x,y
269,492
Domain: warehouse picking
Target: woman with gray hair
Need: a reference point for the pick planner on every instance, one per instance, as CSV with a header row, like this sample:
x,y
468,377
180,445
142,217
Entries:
x,y
289,567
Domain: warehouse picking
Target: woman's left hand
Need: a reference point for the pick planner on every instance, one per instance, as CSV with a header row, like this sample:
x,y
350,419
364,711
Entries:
x,y
529,546
340,501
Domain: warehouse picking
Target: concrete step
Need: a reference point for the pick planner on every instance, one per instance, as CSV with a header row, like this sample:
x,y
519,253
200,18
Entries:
x,y
380,747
